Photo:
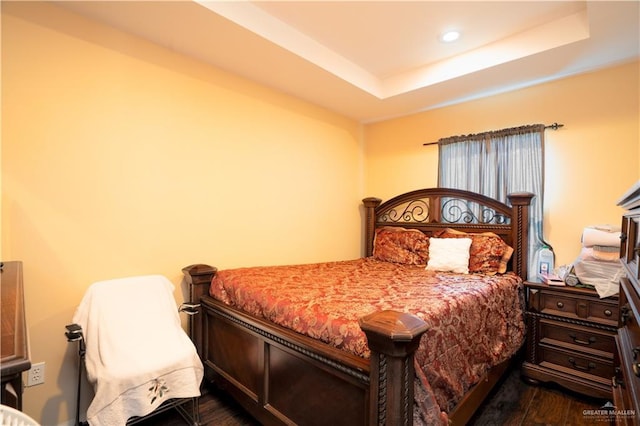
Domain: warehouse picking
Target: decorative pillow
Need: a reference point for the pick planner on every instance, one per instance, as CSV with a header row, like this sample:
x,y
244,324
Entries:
x,y
401,245
489,254
449,255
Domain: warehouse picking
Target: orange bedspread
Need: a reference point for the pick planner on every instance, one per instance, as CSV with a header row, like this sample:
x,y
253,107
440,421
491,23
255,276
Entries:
x,y
475,321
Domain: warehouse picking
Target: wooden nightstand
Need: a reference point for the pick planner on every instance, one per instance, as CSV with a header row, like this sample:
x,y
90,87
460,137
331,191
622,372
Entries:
x,y
571,338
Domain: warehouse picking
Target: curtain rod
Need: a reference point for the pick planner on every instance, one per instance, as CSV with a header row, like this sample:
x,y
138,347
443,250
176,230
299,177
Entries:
x,y
554,126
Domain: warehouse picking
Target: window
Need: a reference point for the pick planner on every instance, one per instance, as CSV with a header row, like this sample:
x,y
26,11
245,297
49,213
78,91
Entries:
x,y
496,164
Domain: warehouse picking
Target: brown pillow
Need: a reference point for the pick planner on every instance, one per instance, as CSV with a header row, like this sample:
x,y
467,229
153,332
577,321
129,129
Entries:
x,y
489,254
401,245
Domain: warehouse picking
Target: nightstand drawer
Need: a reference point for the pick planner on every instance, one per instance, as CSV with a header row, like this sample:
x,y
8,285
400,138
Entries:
x,y
569,306
604,311
584,364
575,337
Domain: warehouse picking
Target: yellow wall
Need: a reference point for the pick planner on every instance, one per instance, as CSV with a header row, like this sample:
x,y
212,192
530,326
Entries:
x,y
590,162
121,158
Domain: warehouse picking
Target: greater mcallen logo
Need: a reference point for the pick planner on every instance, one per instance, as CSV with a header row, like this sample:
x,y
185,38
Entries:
x,y
608,411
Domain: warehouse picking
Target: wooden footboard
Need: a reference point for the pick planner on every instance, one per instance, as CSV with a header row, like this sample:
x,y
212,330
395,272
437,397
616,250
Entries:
x,y
282,377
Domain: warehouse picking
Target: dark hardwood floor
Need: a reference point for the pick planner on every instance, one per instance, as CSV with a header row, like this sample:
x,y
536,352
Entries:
x,y
514,402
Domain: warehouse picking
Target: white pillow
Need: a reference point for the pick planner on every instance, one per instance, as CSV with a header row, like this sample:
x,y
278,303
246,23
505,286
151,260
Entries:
x,y
449,255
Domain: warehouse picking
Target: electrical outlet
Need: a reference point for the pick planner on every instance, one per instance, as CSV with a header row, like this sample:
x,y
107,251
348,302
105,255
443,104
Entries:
x,y
35,375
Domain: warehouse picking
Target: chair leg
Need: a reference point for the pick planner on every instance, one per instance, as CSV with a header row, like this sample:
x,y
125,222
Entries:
x,y
192,418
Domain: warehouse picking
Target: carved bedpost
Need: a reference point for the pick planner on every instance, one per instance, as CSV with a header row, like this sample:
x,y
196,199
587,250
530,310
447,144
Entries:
x,y
370,205
520,202
393,337
198,278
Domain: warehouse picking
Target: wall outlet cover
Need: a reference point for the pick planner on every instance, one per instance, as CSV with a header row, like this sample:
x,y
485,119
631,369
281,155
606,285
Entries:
x,y
35,375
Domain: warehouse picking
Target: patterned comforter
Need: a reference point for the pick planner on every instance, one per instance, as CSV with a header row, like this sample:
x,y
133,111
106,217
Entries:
x,y
475,321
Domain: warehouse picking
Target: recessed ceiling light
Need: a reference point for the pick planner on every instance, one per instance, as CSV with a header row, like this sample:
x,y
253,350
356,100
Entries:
x,y
450,36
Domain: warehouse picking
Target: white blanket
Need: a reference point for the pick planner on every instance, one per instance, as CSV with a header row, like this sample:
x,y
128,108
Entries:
x,y
138,355
601,235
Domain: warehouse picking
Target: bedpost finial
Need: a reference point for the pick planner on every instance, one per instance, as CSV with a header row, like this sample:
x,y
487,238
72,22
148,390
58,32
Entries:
x,y
520,198
371,202
392,327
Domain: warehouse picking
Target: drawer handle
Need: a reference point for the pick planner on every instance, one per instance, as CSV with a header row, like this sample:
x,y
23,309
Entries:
x,y
608,312
625,314
615,382
589,366
636,368
591,340
636,351
560,305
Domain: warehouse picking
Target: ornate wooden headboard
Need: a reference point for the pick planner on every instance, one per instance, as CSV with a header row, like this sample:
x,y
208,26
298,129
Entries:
x,y
434,209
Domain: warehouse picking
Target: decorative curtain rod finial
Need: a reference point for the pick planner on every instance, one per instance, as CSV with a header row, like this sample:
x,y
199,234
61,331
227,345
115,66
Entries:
x,y
554,126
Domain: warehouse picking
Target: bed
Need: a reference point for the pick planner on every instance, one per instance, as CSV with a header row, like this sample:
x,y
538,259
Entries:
x,y
384,363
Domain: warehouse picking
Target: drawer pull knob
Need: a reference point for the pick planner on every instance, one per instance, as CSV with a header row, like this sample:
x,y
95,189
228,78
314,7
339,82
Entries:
x,y
636,368
608,312
591,340
560,305
589,366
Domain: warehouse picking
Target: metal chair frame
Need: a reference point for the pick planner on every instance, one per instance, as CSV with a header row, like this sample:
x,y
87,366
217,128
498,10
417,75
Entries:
x,y
74,334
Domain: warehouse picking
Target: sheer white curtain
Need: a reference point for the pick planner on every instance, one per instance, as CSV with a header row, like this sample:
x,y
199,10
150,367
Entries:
x,y
496,164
